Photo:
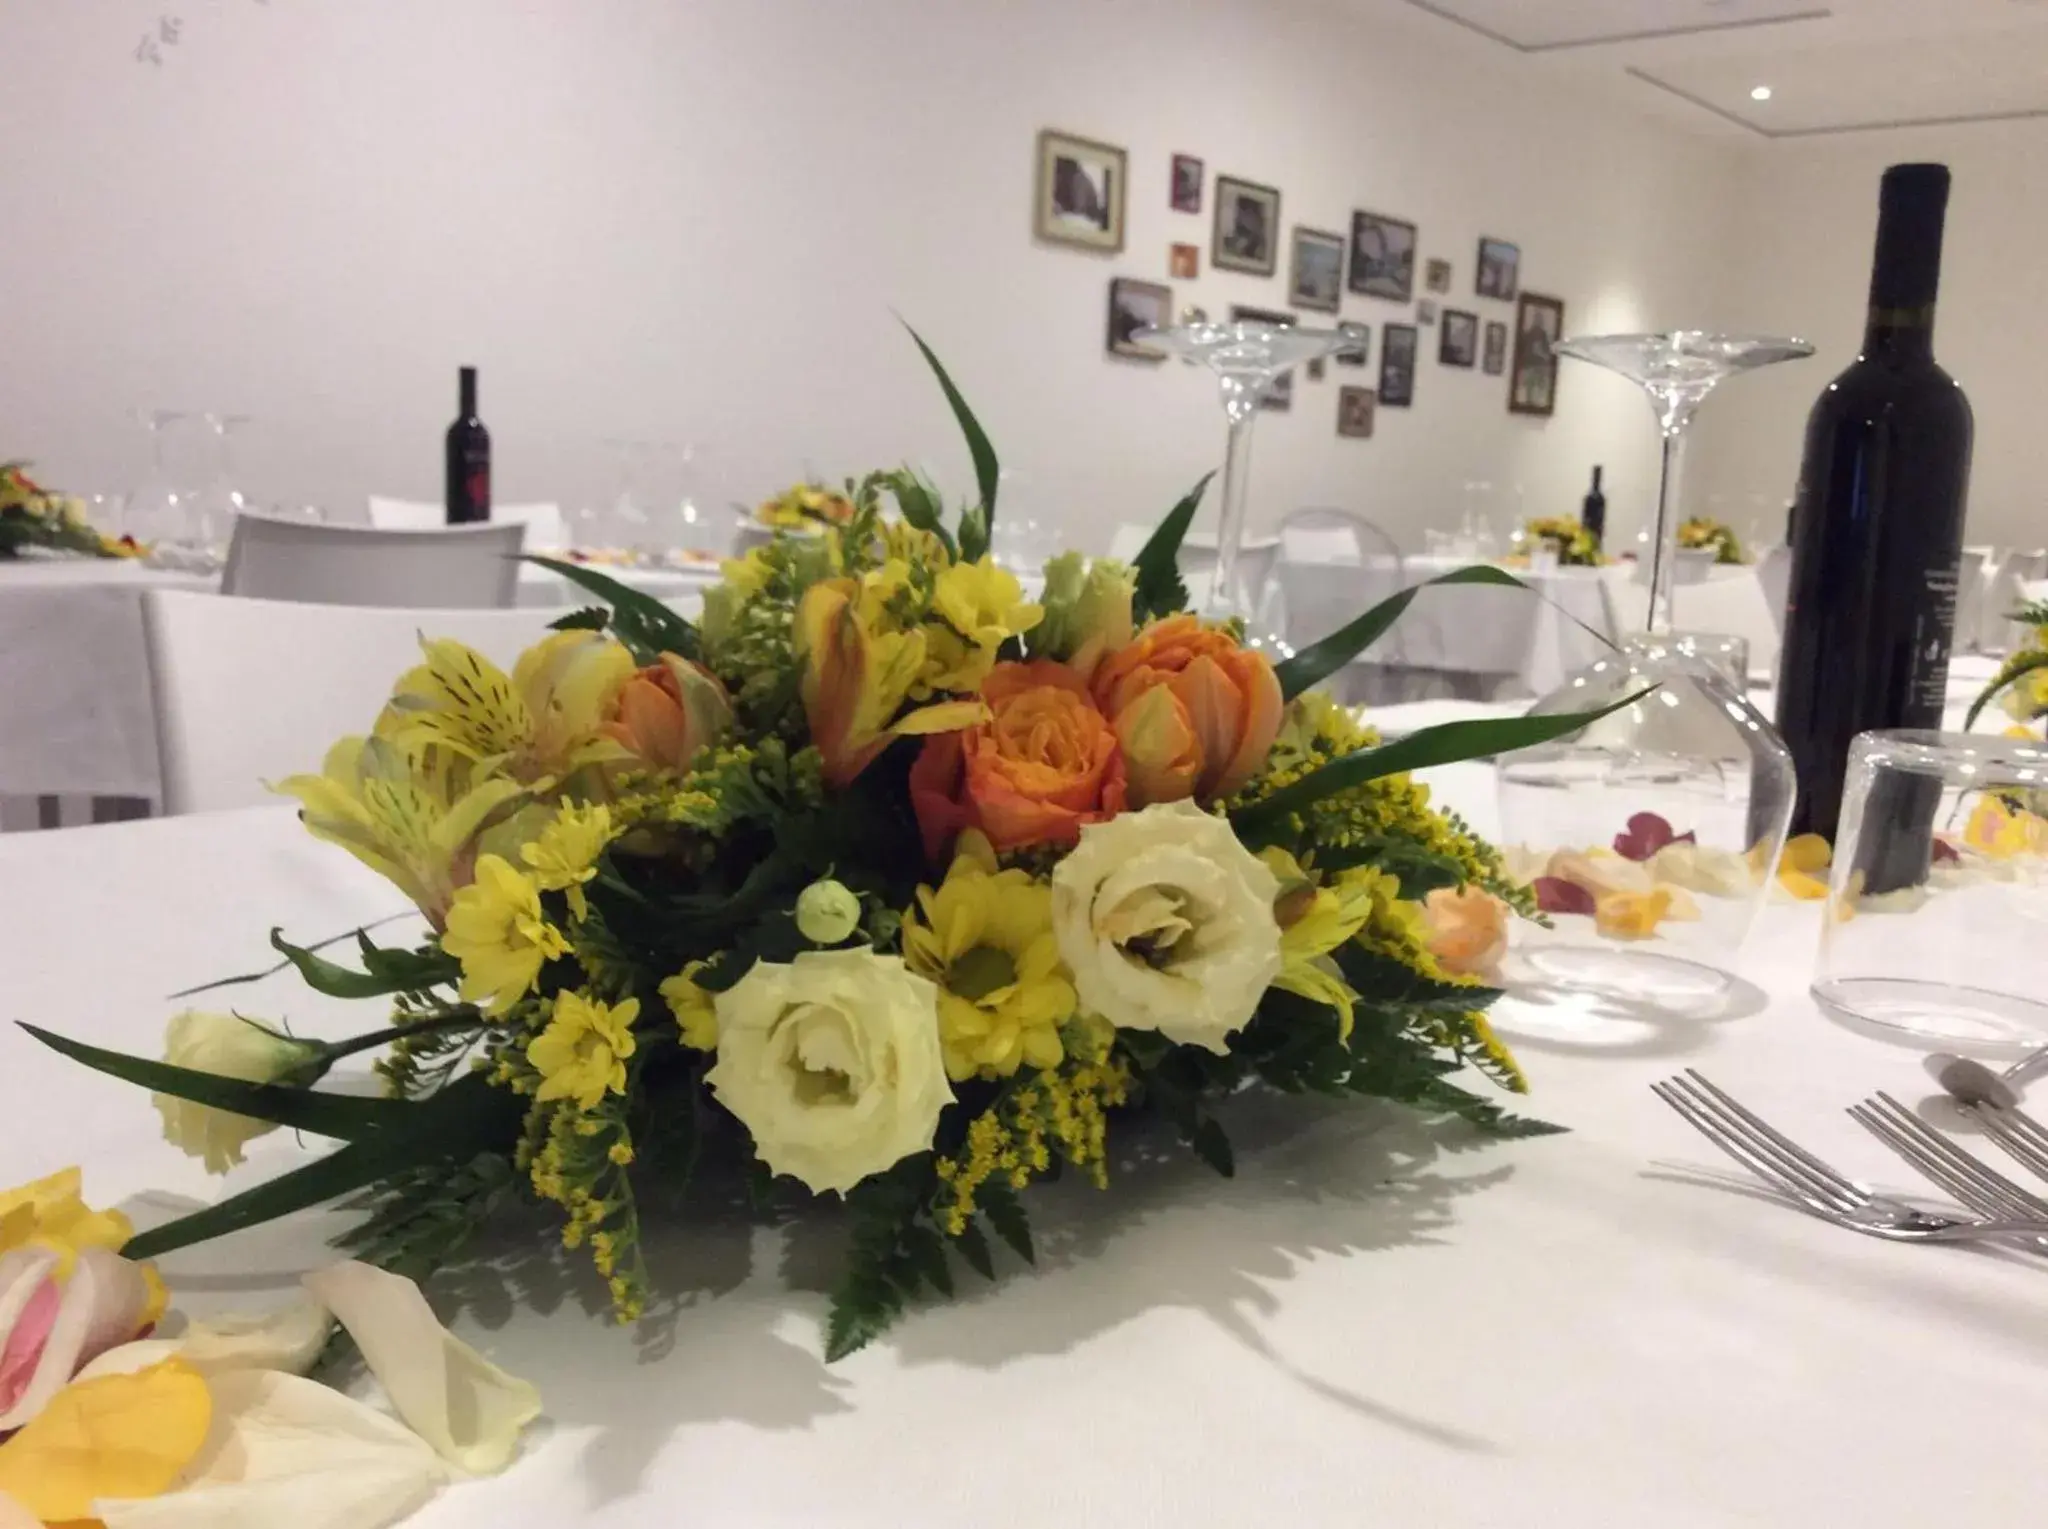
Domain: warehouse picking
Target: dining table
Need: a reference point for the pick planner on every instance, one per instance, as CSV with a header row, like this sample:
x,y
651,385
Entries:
x,y
1379,1319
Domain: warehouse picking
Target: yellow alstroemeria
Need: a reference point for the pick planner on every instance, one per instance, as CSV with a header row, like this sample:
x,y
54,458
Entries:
x,y
2004,832
414,827
52,1213
120,1436
538,725
564,857
695,1011
582,1053
858,671
1314,922
497,930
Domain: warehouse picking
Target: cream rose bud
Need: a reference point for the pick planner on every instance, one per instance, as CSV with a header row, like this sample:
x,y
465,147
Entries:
x,y
230,1047
832,1062
1166,922
826,912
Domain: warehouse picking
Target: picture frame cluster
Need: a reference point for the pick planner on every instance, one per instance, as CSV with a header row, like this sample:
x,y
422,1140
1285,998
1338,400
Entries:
x,y
1082,200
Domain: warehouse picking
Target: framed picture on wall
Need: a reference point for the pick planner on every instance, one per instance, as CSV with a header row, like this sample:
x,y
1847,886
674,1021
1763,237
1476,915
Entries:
x,y
1496,351
1458,341
1316,275
1436,276
1184,261
1532,383
1132,305
1247,232
1354,412
1080,192
1382,258
1499,269
1360,336
1281,394
1397,365
1187,183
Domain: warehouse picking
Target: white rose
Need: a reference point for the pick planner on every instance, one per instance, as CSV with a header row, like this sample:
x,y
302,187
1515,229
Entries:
x,y
833,1063
1166,922
231,1047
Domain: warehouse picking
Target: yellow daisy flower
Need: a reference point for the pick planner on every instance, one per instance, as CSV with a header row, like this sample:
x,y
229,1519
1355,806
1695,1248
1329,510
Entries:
x,y
497,931
985,937
983,603
582,1053
693,1008
564,857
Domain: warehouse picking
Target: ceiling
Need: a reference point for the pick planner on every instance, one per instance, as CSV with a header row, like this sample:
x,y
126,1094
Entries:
x,y
1832,66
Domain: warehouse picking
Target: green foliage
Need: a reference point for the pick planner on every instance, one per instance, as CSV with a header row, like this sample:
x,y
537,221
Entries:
x,y
1380,979
384,971
421,1219
646,626
591,618
920,505
1319,661
1157,566
975,528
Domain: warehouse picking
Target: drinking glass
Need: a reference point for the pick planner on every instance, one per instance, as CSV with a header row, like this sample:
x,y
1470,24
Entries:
x,y
631,528
215,506
1247,359
1937,904
156,510
1654,831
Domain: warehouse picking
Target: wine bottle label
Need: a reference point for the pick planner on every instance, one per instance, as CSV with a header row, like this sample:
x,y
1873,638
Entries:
x,y
1934,627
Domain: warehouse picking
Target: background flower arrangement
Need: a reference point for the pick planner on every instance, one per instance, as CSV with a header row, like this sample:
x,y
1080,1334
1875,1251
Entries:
x,y
884,880
32,516
1702,532
1576,547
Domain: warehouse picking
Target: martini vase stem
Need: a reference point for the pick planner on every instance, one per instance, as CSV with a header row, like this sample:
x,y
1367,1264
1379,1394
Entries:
x,y
1664,551
1237,479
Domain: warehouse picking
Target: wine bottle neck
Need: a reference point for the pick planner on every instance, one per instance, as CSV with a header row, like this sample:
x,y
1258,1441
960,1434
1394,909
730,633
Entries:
x,y
1899,334
468,391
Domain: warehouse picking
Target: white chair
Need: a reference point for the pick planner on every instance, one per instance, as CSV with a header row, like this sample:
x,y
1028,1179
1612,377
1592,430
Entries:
x,y
452,567
1733,607
1774,573
249,691
545,528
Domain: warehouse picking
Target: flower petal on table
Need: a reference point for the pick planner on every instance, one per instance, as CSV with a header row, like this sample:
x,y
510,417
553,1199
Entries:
x,y
118,1436
105,1302
471,1411
14,1516
284,1450
289,1339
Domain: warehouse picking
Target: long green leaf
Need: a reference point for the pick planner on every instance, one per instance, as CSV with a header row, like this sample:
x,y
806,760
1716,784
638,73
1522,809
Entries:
x,y
272,971
642,623
1319,661
347,1117
467,1117
1157,566
986,468
1445,744
2018,665
390,971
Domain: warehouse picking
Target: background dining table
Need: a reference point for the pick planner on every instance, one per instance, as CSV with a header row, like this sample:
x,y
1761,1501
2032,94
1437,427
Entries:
x,y
1376,1321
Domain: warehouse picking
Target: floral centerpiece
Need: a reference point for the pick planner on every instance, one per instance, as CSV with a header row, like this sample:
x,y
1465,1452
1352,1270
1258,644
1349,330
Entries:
x,y
32,516
805,507
1702,533
1576,547
2021,684
886,880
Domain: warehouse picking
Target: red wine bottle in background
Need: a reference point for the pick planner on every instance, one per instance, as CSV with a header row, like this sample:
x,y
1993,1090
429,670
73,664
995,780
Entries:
x,y
1593,511
469,460
1877,531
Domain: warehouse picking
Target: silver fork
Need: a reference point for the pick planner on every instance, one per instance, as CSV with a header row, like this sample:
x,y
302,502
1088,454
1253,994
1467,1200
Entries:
x,y
1811,1184
1945,1164
2018,1135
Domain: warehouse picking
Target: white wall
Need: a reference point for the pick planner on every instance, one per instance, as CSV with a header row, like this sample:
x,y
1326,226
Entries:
x,y
1808,221
691,219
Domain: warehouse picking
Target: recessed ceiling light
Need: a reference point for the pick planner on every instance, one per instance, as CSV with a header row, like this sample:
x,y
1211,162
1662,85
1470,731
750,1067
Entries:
x,y
1761,93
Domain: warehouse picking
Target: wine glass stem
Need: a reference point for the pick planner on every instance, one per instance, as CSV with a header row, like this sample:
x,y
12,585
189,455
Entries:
x,y
1237,482
1664,552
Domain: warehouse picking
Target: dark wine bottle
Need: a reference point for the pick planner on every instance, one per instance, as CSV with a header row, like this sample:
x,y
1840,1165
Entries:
x,y
1593,510
468,481
1877,530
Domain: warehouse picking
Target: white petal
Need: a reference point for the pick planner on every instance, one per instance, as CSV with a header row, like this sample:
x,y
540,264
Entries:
x,y
458,1401
102,1306
289,1339
22,1273
288,1451
127,1358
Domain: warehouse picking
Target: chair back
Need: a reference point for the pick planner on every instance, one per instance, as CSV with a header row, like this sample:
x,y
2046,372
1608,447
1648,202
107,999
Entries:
x,y
1333,565
449,568
1730,607
1774,572
543,521
250,691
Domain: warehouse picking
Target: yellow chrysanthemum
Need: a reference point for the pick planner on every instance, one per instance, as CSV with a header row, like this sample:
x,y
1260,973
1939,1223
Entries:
x,y
537,726
985,937
983,603
696,1014
497,931
409,823
564,857
582,1053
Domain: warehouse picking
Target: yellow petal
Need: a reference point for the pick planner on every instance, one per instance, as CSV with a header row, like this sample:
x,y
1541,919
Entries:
x,y
102,1304
1807,852
1806,888
14,1516
471,1411
119,1436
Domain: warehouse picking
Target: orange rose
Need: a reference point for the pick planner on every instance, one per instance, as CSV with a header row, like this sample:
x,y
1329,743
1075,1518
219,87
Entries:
x,y
1043,764
1468,930
669,712
1195,713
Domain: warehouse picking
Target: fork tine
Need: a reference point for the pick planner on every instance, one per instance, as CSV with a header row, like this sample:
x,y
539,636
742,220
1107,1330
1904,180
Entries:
x,y
1917,1157
2025,1125
1770,1169
2015,1143
1793,1161
2011,1196
1820,1169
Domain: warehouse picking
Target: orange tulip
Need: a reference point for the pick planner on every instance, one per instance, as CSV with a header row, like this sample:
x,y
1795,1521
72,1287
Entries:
x,y
1195,713
669,712
1044,764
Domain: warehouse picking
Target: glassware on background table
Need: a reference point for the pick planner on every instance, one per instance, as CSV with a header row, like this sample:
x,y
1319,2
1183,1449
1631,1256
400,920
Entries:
x,y
629,524
1247,360
1937,911
156,511
1724,651
1654,829
215,506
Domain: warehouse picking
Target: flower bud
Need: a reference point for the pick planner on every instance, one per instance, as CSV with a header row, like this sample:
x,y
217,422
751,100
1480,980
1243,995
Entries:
x,y
826,912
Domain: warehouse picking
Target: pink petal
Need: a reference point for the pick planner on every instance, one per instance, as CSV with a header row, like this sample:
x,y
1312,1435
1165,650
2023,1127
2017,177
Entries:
x,y
1554,895
26,1340
103,1305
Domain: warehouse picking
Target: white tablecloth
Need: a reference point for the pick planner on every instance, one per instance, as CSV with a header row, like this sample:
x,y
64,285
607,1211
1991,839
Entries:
x,y
1362,1328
